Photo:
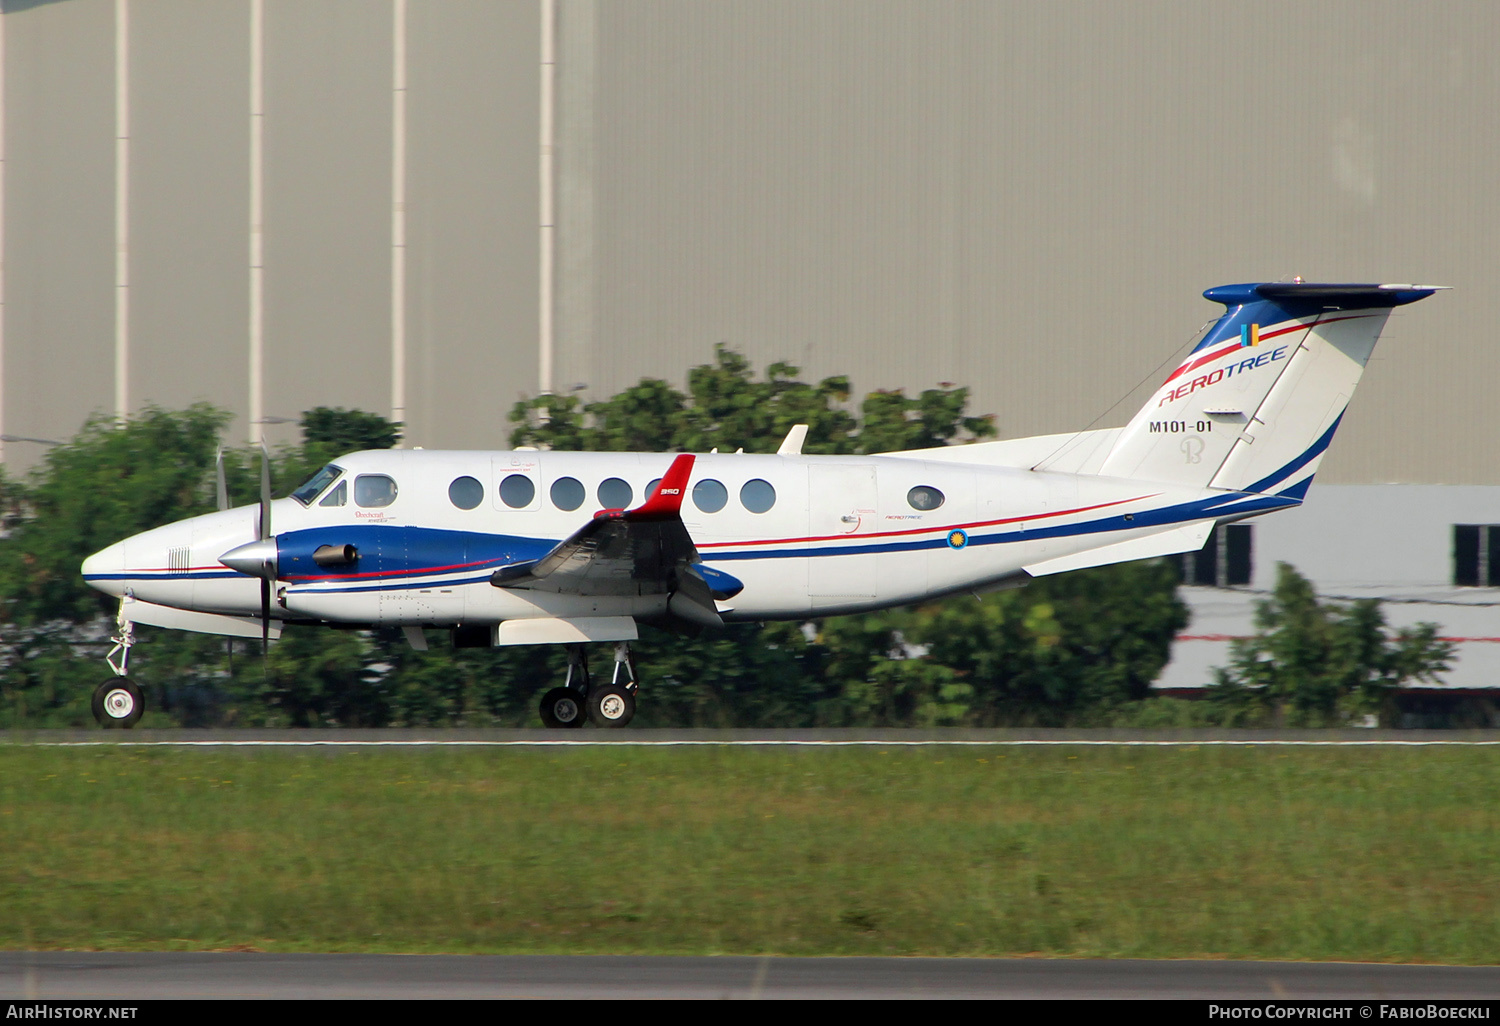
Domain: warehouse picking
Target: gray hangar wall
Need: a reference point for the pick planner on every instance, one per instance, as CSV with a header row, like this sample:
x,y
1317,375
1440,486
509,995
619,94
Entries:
x,y
1024,198
472,269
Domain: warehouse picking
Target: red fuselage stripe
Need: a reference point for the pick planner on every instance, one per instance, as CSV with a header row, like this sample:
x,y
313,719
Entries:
x,y
921,530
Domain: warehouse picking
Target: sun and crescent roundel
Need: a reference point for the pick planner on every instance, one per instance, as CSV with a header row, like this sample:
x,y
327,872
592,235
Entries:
x,y
957,539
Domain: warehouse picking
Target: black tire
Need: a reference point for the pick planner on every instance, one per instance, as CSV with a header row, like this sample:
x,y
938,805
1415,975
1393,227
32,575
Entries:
x,y
563,708
118,703
611,706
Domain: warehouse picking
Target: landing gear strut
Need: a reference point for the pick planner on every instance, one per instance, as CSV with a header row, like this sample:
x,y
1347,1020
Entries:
x,y
613,705
118,702
605,705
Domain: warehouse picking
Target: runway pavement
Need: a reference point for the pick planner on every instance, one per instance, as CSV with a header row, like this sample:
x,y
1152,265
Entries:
x,y
144,976
770,738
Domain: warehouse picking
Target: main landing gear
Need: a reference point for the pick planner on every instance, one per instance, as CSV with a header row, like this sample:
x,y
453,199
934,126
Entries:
x,y
118,702
604,705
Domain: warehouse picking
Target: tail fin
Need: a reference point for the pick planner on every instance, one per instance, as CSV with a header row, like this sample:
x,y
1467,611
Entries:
x,y
1257,401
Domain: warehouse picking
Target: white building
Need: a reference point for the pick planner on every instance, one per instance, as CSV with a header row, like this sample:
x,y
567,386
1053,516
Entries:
x,y
1430,553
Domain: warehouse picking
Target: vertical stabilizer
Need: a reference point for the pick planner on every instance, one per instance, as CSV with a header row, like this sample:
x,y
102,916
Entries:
x,y
1255,404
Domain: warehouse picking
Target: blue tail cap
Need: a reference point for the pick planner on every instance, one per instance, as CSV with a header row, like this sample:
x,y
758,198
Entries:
x,y
1256,303
1319,295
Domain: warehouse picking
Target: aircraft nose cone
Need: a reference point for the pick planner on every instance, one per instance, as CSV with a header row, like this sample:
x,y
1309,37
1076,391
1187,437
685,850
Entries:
x,y
105,568
255,559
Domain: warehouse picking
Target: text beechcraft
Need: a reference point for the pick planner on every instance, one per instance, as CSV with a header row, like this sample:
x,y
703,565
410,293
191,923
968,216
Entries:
x,y
566,548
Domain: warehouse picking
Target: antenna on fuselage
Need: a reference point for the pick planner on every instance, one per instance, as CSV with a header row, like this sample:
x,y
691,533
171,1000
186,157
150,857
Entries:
x,y
221,489
792,444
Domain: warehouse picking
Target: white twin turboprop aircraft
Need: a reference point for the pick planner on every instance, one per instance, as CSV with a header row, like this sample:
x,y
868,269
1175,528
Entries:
x,y
528,547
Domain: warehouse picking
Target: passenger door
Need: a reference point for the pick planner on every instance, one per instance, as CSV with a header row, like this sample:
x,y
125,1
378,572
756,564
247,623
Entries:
x,y
841,507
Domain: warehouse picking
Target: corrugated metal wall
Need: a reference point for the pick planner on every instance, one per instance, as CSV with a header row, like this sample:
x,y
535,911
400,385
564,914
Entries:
x,y
471,221
1024,198
1027,198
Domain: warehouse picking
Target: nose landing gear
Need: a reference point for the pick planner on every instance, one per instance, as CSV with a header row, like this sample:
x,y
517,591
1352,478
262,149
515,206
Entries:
x,y
118,702
605,705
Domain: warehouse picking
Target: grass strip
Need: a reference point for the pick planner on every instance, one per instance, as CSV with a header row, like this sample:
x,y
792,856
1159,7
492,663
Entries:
x,y
1269,853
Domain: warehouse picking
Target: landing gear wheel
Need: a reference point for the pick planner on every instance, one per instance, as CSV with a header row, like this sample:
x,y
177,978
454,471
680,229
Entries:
x,y
118,703
611,706
563,707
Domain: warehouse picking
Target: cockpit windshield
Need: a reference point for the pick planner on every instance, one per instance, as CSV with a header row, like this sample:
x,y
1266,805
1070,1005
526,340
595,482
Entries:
x,y
321,480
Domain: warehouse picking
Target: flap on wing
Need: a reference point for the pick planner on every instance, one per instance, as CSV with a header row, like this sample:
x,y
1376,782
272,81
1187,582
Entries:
x,y
692,601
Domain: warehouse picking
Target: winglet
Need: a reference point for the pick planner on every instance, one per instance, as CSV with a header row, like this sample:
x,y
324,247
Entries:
x,y
665,501
792,445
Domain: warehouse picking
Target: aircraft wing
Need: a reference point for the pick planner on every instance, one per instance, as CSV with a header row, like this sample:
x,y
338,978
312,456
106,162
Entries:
x,y
642,551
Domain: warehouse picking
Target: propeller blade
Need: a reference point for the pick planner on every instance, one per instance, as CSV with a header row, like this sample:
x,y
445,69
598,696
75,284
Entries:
x,y
265,617
265,535
265,493
222,491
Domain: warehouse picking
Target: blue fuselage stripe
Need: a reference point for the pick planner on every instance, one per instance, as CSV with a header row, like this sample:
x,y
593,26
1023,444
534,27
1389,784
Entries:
x,y
1229,504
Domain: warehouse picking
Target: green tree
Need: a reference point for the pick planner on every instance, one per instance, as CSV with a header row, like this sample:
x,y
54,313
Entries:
x,y
1313,663
1073,648
329,432
743,675
893,423
1064,650
647,417
726,408
113,480
108,483
731,410
884,680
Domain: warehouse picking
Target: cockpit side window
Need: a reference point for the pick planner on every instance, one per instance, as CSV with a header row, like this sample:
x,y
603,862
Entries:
x,y
374,490
337,496
322,479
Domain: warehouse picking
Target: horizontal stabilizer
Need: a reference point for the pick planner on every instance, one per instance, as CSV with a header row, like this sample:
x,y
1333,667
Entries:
x,y
1188,538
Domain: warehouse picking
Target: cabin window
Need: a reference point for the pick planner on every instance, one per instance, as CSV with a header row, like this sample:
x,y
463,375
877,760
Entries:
x,y
710,495
615,494
652,486
337,496
568,493
757,496
322,479
924,497
465,492
374,490
517,491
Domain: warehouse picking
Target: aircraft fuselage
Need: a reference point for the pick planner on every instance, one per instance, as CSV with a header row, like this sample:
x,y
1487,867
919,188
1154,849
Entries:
x,y
805,535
